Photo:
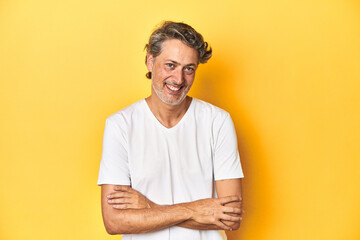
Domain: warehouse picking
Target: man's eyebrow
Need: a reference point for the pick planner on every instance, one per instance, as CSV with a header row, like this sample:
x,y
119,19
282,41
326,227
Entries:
x,y
176,63
169,60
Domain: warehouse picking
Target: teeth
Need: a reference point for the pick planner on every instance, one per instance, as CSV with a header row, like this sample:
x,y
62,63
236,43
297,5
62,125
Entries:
x,y
173,87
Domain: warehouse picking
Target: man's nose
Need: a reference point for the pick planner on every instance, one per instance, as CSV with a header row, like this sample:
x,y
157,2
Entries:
x,y
178,76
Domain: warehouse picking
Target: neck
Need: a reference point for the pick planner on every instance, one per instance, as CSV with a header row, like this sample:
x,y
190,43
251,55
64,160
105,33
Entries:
x,y
168,115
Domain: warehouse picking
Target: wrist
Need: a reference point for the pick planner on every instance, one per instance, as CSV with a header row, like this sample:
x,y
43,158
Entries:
x,y
188,211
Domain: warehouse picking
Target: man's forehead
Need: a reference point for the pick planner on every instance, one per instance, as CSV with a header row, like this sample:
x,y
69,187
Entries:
x,y
177,51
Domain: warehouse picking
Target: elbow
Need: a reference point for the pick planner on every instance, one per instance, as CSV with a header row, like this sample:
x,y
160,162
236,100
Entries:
x,y
122,230
235,226
110,229
113,227
115,230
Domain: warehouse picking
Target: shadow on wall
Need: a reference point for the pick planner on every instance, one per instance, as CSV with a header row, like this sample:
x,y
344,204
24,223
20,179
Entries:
x,y
219,85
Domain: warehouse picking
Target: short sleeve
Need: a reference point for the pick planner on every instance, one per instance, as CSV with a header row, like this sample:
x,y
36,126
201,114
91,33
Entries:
x,y
226,155
114,167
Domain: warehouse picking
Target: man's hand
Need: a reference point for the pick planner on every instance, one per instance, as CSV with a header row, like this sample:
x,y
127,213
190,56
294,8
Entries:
x,y
212,211
125,197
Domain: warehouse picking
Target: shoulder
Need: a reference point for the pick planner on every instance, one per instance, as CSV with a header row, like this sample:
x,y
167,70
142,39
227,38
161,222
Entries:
x,y
124,116
209,111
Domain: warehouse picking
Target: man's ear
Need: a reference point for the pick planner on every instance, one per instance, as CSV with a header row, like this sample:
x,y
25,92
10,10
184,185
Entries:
x,y
149,62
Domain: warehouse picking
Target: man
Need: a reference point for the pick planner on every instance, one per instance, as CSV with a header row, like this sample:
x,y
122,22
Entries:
x,y
170,167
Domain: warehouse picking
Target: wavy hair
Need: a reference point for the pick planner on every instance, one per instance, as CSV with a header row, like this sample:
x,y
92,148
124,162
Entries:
x,y
181,31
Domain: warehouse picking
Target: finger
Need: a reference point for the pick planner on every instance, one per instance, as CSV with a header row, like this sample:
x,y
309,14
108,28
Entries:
x,y
230,218
125,206
118,195
229,199
122,188
119,200
120,206
223,226
232,210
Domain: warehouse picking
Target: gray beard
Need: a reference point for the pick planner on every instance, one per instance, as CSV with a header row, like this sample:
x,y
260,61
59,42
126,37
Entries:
x,y
162,98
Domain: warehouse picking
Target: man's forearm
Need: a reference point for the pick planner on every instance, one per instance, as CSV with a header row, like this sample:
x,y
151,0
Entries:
x,y
146,220
198,226
191,224
128,211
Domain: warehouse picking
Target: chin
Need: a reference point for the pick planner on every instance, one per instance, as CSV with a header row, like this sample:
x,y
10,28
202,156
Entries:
x,y
167,101
173,103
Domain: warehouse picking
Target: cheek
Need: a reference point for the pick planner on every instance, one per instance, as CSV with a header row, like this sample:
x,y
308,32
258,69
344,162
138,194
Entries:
x,y
189,79
164,73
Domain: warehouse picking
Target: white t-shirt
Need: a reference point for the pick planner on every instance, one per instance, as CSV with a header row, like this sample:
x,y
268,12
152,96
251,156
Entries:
x,y
170,165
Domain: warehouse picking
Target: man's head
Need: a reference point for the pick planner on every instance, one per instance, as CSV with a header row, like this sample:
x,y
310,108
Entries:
x,y
181,31
173,54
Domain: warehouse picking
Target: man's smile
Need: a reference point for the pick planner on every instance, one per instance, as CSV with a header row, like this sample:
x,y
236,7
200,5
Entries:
x,y
174,88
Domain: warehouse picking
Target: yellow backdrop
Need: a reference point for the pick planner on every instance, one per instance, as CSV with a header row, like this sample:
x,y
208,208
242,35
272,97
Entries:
x,y
287,71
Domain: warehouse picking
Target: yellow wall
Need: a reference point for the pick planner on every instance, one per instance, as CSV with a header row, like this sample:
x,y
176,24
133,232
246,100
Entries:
x,y
287,71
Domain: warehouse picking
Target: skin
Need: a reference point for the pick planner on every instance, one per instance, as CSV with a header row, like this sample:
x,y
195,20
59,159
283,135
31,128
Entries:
x,y
175,68
124,197
173,73
202,214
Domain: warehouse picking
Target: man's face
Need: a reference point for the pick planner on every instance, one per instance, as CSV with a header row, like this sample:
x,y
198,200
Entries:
x,y
173,71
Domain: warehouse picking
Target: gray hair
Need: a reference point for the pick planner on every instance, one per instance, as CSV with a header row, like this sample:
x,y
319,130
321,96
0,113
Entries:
x,y
181,31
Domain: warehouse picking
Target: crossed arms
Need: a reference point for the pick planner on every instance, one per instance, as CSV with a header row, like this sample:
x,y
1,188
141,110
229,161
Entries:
x,y
126,211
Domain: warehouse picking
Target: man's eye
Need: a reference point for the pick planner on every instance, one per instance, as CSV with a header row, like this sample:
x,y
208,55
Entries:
x,y
170,65
189,69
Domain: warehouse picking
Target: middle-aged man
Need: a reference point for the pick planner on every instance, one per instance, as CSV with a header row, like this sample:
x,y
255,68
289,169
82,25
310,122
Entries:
x,y
170,167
